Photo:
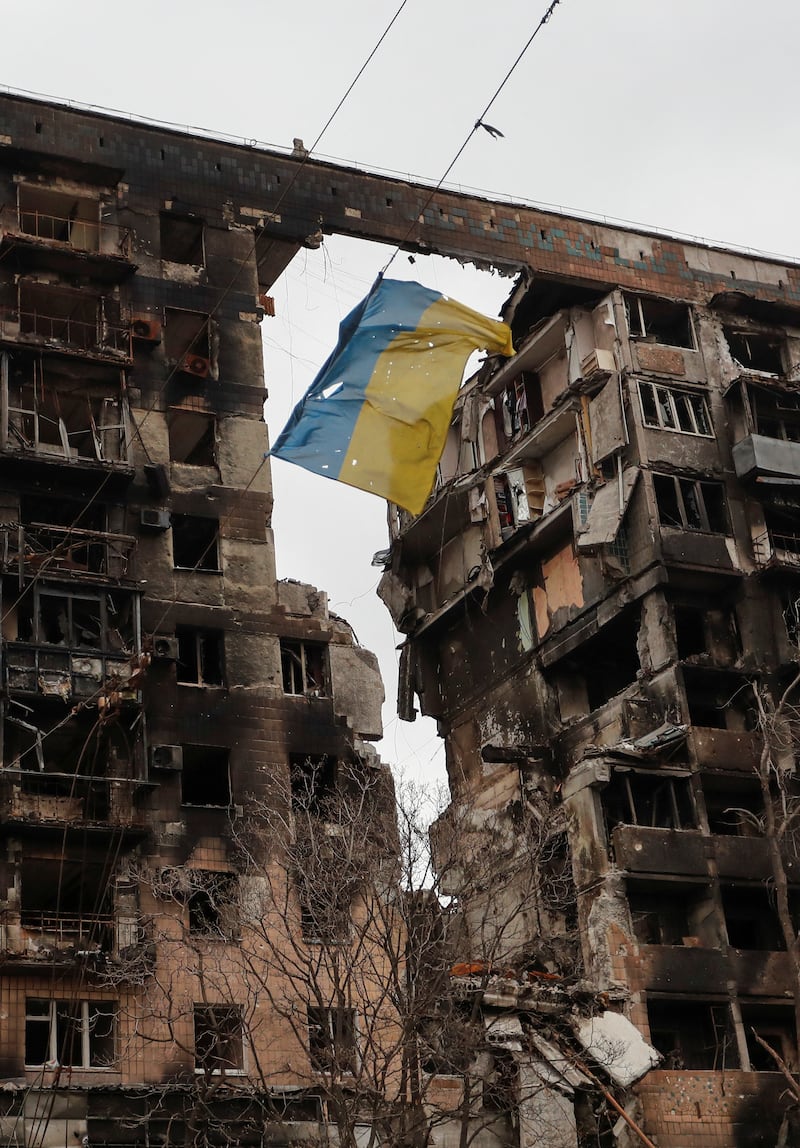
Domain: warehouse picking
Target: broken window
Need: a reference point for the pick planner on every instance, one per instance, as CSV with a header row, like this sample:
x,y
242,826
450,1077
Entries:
x,y
195,542
192,437
303,667
218,1038
205,777
756,351
518,407
660,321
325,913
690,504
669,914
70,900
332,1039
182,239
69,1033
602,666
653,800
200,656
732,805
102,622
59,216
314,784
65,535
774,1023
776,414
212,903
187,341
694,1035
701,631
670,409
719,700
750,918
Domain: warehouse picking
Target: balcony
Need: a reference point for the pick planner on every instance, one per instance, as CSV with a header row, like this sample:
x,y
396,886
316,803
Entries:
x,y
33,802
679,852
64,319
772,549
48,671
36,548
759,455
35,237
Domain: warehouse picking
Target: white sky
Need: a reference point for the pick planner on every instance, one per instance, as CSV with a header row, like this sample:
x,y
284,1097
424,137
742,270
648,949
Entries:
x,y
679,115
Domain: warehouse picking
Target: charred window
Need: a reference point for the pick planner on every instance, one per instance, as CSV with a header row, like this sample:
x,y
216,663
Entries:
x,y
774,1023
195,543
188,342
660,321
218,1038
200,656
672,914
776,414
652,800
82,911
693,1035
332,1043
182,239
192,437
69,1033
711,632
732,805
719,700
303,667
212,904
205,776
756,351
670,409
750,918
314,784
54,215
691,504
601,666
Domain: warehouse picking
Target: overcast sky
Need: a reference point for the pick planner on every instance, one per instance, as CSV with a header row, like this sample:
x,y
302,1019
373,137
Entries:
x,y
680,115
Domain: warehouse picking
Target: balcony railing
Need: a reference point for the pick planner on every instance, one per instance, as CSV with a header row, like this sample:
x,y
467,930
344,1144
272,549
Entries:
x,y
35,548
79,234
76,334
46,798
771,549
81,931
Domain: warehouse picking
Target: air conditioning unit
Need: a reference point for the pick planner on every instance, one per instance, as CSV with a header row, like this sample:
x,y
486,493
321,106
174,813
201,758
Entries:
x,y
152,519
597,362
166,757
195,365
165,648
146,328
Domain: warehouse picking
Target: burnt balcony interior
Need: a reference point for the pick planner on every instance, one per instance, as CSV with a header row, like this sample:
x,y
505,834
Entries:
x,y
674,913
601,667
304,667
689,503
195,543
59,408
205,777
201,656
706,634
188,341
80,320
648,798
192,437
750,918
62,536
693,1035
79,620
660,321
719,700
756,351
80,914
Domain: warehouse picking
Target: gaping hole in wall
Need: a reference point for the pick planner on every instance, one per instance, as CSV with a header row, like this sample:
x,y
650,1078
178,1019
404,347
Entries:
x,y
218,1038
187,341
600,667
750,918
200,656
182,239
671,913
694,1035
691,504
756,351
719,700
314,784
332,1039
650,799
55,215
205,777
67,900
70,1033
702,631
303,667
212,904
776,413
660,321
195,543
192,437
774,1023
733,805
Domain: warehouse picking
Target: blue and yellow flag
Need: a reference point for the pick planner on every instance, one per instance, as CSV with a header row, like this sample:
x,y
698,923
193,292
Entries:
x,y
377,414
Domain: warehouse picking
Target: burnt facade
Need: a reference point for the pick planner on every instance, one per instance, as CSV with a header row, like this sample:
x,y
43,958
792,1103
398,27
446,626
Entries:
x,y
601,600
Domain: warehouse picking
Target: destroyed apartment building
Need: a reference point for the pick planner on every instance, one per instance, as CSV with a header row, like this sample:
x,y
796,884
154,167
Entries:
x,y
599,602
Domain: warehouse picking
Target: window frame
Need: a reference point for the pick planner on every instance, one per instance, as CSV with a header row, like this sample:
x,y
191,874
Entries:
x,y
287,652
84,1031
671,394
212,1010
196,636
642,333
697,484
333,1056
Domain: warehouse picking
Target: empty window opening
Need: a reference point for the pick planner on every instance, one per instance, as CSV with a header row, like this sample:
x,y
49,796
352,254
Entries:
x,y
212,904
61,532
690,504
670,409
668,914
54,215
750,919
200,656
314,784
652,800
781,519
205,777
187,341
192,437
602,666
182,239
195,543
303,667
518,407
756,351
693,1035
776,414
69,1033
700,632
102,622
660,321
719,700
218,1038
774,1023
733,805
67,900
332,1039
325,913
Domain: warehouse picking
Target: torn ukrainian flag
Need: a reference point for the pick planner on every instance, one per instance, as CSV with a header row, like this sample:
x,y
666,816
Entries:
x,y
377,414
